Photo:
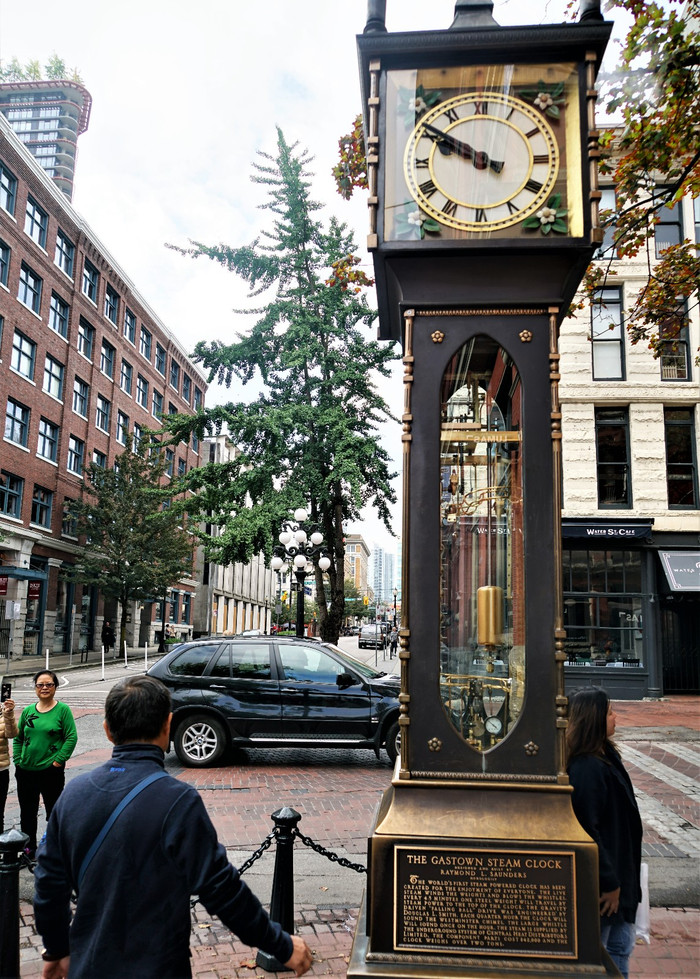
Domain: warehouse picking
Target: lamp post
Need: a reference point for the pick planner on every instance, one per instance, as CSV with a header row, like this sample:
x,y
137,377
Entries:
x,y
301,547
396,591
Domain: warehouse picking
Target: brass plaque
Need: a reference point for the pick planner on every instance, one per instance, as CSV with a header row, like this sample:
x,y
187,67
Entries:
x,y
493,902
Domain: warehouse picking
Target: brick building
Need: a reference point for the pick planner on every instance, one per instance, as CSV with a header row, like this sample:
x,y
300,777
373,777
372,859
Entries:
x,y
83,361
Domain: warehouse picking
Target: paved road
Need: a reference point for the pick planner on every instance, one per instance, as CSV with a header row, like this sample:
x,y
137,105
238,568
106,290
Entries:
x,y
337,791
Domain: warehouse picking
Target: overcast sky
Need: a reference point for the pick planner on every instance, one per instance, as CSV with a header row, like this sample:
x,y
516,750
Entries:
x,y
184,95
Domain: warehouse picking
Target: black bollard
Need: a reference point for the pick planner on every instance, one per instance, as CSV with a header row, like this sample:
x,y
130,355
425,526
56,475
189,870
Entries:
x,y
282,900
12,844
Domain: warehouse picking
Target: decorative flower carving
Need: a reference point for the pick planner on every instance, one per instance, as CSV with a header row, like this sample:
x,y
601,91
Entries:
x,y
531,748
437,337
525,335
435,744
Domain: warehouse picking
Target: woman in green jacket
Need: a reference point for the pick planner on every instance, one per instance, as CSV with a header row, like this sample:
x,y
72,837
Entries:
x,y
46,740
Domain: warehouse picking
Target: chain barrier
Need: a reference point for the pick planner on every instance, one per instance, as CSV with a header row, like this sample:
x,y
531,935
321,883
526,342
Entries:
x,y
333,857
265,845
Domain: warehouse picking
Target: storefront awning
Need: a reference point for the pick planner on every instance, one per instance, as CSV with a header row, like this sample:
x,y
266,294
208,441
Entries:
x,y
682,569
607,530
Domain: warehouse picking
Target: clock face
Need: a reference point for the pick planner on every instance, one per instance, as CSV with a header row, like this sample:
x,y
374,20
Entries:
x,y
482,151
481,161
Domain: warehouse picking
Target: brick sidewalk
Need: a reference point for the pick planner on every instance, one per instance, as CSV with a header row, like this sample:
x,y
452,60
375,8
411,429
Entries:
x,y
674,951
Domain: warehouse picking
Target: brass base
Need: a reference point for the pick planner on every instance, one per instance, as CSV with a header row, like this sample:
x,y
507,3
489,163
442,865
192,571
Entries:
x,y
480,881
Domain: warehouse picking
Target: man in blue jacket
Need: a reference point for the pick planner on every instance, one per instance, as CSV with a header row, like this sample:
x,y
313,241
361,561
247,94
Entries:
x,y
132,916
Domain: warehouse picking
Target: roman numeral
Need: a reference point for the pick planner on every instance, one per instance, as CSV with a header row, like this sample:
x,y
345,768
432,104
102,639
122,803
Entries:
x,y
449,208
541,158
427,188
532,133
480,215
480,108
534,186
422,163
452,114
512,208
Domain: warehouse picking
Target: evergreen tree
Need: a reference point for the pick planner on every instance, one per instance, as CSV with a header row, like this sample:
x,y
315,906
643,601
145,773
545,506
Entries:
x,y
135,546
310,436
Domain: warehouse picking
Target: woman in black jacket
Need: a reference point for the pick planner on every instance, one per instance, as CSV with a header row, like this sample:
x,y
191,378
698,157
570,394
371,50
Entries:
x,y
604,803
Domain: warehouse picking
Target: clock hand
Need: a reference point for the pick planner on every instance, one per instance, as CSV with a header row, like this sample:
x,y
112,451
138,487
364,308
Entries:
x,y
448,144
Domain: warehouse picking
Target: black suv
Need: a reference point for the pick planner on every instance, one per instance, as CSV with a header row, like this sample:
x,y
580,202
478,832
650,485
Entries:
x,y
273,692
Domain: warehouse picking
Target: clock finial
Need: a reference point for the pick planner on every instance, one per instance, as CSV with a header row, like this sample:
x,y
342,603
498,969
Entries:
x,y
376,17
590,10
473,13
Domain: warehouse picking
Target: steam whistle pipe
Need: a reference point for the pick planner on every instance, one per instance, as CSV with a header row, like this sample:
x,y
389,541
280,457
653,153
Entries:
x,y
376,17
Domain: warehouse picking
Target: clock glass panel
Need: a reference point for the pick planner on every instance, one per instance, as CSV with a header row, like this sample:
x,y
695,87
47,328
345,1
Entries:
x,y
482,590
481,151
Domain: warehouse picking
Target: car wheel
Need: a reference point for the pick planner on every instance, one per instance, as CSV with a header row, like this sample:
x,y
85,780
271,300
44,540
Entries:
x,y
393,742
200,740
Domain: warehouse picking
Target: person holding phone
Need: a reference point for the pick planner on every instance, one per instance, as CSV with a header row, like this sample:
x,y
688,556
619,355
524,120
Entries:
x,y
45,741
8,729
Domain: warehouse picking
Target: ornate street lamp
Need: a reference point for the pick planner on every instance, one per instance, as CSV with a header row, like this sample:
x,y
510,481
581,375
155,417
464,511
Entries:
x,y
302,549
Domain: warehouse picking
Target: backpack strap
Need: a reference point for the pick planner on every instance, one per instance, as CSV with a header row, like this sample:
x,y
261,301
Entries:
x,y
116,812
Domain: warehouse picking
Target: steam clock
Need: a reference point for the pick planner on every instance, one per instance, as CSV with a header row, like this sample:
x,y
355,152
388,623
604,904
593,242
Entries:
x,y
483,201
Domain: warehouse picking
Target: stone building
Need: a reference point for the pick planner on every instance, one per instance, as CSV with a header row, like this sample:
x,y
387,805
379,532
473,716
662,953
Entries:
x,y
631,510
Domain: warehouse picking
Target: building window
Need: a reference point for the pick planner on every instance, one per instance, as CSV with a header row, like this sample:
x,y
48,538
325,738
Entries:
x,y
76,455
612,445
65,253
86,338
669,228
174,375
99,458
29,293
107,357
4,263
16,422
42,502
23,355
91,281
126,377
142,391
103,412
187,388
59,313
173,606
195,442
122,427
608,205
111,304
145,342
607,335
11,489
169,459
197,399
137,435
129,326
36,222
8,189
47,446
181,467
681,460
186,607
69,523
673,348
81,396
54,373
157,404
603,606
160,359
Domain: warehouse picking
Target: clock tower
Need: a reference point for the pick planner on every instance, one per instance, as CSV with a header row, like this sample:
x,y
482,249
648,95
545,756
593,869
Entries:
x,y
483,201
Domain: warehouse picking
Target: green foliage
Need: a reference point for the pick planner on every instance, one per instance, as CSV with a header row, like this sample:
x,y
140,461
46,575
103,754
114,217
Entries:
x,y
55,69
135,546
310,437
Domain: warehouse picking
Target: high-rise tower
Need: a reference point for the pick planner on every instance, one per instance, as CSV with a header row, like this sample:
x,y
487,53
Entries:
x,y
48,116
